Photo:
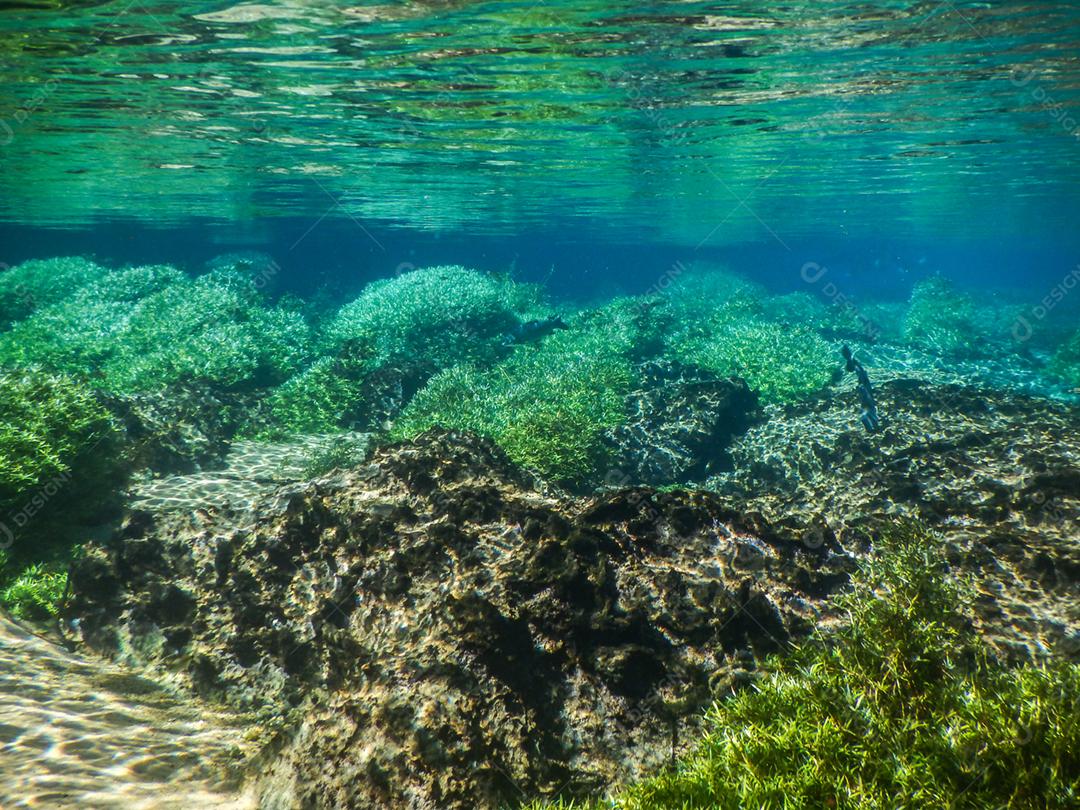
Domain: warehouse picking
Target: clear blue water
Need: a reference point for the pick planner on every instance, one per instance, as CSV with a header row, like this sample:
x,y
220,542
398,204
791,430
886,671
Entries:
x,y
605,139
434,211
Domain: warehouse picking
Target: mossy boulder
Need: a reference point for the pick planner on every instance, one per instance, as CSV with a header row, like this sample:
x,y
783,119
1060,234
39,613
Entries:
x,y
548,406
781,363
51,427
210,331
1065,362
58,466
81,331
38,283
428,319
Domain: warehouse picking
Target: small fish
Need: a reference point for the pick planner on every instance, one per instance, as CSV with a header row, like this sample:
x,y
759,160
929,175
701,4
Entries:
x,y
870,419
531,331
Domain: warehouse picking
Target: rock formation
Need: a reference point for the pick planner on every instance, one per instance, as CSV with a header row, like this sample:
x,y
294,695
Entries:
x,y
996,474
442,631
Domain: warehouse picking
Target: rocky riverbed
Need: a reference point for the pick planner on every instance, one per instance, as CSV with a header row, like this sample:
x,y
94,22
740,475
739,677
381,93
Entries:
x,y
434,627
447,631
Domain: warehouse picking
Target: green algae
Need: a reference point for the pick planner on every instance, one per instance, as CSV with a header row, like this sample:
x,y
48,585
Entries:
x,y
899,706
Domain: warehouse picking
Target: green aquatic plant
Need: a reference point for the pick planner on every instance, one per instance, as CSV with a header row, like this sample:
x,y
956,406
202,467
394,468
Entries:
x,y
430,318
35,593
547,406
38,283
141,328
698,294
782,363
58,464
1065,362
51,428
900,706
946,321
79,333
724,323
340,453
634,327
323,397
211,331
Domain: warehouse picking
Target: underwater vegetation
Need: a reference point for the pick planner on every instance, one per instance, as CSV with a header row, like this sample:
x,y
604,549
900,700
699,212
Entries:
x,y
1066,361
431,318
547,407
142,328
57,456
34,593
434,346
49,427
951,323
898,706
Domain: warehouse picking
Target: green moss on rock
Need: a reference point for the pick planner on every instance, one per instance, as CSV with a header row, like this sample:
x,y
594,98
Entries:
x,y
49,425
322,398
433,318
35,593
1065,362
782,363
948,322
546,406
40,282
211,332
79,333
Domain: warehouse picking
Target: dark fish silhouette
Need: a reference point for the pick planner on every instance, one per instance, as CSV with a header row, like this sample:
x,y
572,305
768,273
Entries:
x,y
869,418
530,331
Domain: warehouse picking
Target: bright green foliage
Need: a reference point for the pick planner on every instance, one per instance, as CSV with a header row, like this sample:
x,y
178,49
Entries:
x,y
48,424
41,282
430,318
320,399
35,593
57,455
946,321
726,324
1066,361
209,331
546,406
633,327
80,332
698,295
899,708
782,363
141,328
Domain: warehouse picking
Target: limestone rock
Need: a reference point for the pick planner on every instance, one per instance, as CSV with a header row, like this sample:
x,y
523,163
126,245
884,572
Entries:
x,y
446,632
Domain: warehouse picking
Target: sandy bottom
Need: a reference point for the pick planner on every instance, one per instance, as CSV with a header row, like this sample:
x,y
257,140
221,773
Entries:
x,y
79,733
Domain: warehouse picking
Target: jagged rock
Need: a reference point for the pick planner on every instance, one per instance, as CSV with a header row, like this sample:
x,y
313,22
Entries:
x,y
448,633
682,420
180,430
997,474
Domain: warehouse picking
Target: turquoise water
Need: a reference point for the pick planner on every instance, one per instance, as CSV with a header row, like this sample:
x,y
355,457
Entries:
x,y
682,123
424,286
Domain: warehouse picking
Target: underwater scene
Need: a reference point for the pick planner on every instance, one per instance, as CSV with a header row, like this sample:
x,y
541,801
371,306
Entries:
x,y
539,405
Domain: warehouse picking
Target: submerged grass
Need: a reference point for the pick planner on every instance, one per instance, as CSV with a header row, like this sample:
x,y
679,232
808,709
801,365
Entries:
x,y
35,593
901,707
546,406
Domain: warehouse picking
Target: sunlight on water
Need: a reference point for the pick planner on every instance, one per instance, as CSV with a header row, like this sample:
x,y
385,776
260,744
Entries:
x,y
488,405
940,117
75,733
